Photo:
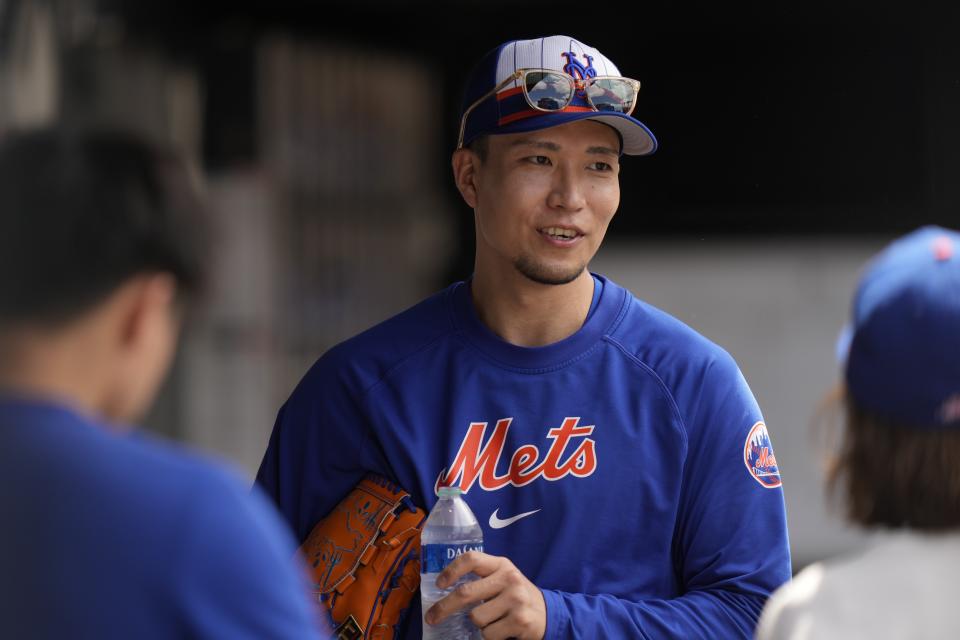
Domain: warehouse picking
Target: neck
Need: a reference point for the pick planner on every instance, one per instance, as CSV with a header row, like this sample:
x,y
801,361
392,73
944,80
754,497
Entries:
x,y
530,314
35,368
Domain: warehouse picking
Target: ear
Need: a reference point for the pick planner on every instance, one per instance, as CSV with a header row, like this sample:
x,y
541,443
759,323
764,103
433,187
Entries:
x,y
466,166
146,300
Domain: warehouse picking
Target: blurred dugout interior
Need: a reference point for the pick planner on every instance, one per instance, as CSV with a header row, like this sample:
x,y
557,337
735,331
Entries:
x,y
794,143
328,221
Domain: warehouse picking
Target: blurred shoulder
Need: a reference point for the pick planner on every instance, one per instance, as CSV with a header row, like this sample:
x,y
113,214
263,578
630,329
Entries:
x,y
791,610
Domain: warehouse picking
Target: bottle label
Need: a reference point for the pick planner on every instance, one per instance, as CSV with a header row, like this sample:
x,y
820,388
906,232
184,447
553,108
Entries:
x,y
434,557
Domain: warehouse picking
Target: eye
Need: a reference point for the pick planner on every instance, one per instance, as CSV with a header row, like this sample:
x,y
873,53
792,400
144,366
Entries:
x,y
544,160
601,166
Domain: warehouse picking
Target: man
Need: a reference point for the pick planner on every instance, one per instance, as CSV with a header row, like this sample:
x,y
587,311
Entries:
x,y
898,465
107,534
617,459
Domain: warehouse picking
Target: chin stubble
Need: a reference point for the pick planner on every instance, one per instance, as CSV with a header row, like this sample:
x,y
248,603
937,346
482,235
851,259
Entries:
x,y
543,274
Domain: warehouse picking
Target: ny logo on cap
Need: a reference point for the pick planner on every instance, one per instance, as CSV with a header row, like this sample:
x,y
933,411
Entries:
x,y
576,69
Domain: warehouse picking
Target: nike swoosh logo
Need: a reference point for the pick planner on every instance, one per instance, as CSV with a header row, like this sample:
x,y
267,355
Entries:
x,y
497,523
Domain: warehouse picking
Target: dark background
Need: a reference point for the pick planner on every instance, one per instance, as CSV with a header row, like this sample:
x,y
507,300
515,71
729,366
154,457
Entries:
x,y
810,119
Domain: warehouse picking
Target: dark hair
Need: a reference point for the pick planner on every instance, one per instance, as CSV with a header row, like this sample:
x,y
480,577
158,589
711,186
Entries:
x,y
82,211
896,475
480,146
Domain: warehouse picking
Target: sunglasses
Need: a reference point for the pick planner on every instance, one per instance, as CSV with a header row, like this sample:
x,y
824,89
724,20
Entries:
x,y
547,90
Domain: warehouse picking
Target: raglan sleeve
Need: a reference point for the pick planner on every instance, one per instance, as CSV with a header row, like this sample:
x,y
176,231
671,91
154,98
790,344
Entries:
x,y
730,547
317,451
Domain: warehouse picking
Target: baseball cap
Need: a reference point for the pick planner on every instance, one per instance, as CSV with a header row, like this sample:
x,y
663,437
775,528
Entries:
x,y
508,112
903,359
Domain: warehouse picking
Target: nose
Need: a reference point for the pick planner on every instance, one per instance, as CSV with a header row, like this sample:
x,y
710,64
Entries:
x,y
566,192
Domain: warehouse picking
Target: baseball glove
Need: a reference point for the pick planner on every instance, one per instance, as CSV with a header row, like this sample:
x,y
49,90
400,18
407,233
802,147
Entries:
x,y
364,558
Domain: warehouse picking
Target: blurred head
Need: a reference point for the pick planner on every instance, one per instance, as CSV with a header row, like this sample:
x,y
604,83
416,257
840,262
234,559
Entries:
x,y
538,155
101,242
899,462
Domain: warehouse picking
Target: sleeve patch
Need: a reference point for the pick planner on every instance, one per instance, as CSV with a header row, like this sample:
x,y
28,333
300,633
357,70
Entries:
x,y
759,459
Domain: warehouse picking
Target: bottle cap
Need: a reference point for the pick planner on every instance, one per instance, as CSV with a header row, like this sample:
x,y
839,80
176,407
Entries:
x,y
449,492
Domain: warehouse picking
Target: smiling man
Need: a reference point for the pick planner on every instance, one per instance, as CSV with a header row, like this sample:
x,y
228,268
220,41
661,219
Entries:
x,y
616,458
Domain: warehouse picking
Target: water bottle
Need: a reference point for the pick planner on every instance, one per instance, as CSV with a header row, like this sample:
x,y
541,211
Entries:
x,y
451,530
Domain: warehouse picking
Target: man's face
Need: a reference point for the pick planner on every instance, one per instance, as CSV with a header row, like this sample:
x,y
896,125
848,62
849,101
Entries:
x,y
544,199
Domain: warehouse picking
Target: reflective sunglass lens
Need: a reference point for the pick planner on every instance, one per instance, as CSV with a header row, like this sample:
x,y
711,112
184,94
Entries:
x,y
611,94
548,91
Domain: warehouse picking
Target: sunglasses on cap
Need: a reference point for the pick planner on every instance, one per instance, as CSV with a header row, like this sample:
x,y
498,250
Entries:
x,y
548,90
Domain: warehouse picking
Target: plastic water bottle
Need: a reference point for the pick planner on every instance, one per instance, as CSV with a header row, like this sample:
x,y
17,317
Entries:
x,y
451,530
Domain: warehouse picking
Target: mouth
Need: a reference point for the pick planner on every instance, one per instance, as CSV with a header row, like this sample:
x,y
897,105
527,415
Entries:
x,y
562,236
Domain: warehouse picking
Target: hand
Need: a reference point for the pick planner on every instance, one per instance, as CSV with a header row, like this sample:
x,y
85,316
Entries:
x,y
513,606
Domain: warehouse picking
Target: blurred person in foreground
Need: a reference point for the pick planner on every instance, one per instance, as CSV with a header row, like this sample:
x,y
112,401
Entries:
x,y
107,533
898,465
617,459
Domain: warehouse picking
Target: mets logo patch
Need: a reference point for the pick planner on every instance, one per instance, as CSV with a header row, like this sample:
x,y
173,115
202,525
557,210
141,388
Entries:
x,y
759,458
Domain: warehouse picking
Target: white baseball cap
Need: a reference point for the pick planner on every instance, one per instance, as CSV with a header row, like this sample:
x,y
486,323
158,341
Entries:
x,y
508,110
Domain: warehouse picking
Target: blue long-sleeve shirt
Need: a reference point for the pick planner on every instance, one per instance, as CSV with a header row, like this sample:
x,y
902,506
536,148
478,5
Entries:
x,y
636,444
110,535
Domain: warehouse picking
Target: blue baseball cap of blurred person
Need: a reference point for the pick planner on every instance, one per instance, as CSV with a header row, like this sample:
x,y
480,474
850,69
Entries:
x,y
902,346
